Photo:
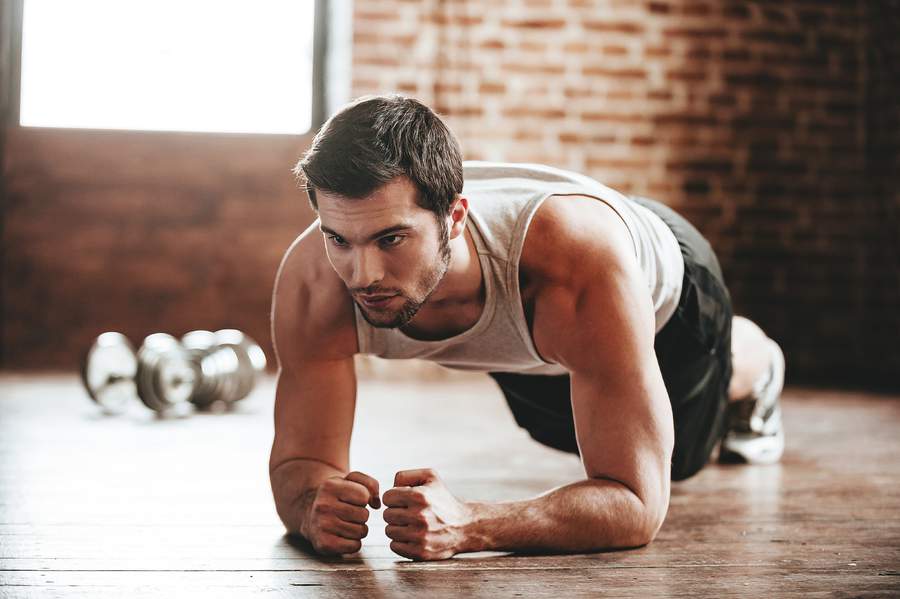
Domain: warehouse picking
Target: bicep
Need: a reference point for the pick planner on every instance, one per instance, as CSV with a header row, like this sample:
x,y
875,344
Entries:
x,y
623,418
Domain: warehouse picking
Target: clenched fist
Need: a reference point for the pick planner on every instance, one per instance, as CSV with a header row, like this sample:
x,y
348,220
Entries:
x,y
425,521
336,522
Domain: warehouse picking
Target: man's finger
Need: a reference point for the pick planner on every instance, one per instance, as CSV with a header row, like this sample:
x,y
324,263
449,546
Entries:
x,y
406,550
400,516
334,544
370,484
346,530
350,513
404,534
403,497
414,478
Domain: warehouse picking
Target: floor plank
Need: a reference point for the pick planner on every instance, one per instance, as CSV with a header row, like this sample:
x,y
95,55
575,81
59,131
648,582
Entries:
x,y
94,506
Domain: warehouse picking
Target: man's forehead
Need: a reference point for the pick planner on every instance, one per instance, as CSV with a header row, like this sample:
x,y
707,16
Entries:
x,y
391,204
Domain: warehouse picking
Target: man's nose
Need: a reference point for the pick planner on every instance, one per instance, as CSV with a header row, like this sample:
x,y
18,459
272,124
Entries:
x,y
367,269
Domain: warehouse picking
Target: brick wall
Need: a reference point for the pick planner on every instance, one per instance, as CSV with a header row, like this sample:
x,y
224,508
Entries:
x,y
774,126
771,125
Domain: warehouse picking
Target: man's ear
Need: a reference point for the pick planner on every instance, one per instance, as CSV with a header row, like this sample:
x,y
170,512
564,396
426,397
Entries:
x,y
459,212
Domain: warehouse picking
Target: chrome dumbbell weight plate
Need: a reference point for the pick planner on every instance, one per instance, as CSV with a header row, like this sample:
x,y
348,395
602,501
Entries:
x,y
210,370
165,377
252,360
108,372
227,364
198,344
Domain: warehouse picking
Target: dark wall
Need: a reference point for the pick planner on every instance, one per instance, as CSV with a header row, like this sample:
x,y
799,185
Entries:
x,y
878,356
141,232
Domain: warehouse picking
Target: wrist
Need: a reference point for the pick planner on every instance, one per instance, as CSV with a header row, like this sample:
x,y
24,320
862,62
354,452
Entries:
x,y
475,535
304,506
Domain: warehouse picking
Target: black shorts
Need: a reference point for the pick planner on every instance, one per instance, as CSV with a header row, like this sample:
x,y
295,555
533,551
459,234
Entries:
x,y
694,354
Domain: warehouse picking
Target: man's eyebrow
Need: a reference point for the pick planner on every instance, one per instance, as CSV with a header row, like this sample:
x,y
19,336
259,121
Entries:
x,y
376,235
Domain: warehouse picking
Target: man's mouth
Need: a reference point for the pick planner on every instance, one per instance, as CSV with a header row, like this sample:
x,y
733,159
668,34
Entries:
x,y
376,301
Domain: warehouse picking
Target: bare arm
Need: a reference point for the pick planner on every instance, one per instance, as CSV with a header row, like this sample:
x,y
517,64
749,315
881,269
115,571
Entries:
x,y
310,445
314,338
598,322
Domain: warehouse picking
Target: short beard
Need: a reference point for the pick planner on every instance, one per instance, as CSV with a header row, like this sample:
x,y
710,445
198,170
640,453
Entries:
x,y
411,307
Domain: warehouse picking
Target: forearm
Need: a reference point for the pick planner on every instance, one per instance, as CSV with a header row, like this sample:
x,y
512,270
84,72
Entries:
x,y
584,516
294,485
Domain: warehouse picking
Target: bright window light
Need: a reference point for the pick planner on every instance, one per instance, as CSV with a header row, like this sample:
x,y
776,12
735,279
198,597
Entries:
x,y
241,66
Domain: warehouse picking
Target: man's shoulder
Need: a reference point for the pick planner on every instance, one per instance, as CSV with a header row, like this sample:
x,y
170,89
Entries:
x,y
570,237
579,273
311,307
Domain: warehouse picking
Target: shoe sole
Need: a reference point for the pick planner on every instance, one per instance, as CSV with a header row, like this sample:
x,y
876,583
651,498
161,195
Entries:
x,y
750,448
767,446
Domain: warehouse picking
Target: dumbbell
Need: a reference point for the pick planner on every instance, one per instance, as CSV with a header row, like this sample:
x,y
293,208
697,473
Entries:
x,y
209,370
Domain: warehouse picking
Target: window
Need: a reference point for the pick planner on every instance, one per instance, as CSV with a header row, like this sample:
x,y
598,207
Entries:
x,y
175,65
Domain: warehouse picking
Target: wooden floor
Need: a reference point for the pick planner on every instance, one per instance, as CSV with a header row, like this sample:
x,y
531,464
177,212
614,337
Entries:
x,y
125,507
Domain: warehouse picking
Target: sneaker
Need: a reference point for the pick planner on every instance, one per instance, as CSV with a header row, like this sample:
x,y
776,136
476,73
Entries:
x,y
755,432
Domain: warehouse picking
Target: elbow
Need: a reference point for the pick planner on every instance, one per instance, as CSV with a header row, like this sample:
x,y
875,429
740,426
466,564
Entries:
x,y
649,523
646,535
646,523
639,518
641,534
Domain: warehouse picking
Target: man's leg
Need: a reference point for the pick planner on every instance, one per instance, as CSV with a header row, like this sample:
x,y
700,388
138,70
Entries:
x,y
750,357
755,433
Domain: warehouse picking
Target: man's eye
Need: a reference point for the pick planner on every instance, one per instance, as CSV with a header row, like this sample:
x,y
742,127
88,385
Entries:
x,y
338,241
390,240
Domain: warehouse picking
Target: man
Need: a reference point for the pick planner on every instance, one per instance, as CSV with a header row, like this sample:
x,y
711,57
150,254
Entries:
x,y
604,320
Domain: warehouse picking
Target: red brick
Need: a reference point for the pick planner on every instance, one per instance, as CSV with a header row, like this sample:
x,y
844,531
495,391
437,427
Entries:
x,y
615,50
492,44
490,87
534,23
630,28
614,117
624,73
576,47
657,51
686,75
696,32
534,112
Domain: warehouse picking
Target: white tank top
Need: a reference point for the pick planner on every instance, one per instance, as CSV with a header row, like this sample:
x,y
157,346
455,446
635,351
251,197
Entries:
x,y
503,198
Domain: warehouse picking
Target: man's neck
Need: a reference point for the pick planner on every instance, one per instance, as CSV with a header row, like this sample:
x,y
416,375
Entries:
x,y
457,302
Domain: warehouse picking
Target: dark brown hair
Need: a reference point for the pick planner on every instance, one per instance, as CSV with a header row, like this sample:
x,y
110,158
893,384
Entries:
x,y
376,138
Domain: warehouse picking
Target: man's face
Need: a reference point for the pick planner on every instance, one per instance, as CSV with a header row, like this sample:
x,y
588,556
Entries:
x,y
390,252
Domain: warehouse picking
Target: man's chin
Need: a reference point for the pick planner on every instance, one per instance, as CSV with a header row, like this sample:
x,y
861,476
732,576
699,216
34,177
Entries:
x,y
383,319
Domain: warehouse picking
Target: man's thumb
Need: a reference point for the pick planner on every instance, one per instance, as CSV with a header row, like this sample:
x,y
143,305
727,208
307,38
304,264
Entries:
x,y
414,478
369,483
